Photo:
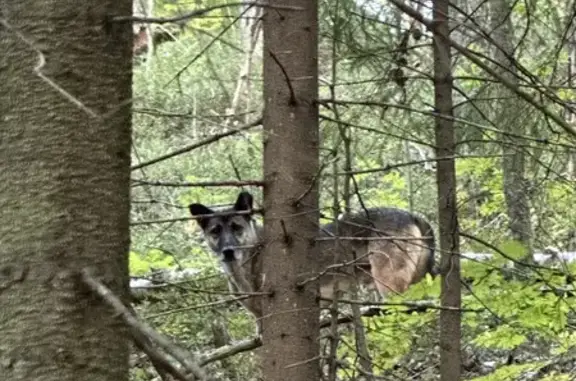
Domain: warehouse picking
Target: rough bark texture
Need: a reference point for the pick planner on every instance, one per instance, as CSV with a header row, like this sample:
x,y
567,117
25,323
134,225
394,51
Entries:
x,y
450,357
64,188
291,315
513,163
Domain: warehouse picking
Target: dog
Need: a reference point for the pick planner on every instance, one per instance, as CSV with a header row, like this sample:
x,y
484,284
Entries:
x,y
235,240
388,249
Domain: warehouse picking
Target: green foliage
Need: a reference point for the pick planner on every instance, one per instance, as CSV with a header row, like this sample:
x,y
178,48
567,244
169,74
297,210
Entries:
x,y
155,259
181,99
503,337
555,376
511,372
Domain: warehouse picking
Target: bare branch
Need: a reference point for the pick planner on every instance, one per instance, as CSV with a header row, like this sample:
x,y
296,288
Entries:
x,y
231,350
415,162
38,70
160,361
182,219
293,100
184,357
199,306
472,57
199,144
375,311
199,12
201,184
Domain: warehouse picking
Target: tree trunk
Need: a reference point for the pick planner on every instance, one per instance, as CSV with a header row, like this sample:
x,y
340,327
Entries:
x,y
291,162
513,162
450,353
64,188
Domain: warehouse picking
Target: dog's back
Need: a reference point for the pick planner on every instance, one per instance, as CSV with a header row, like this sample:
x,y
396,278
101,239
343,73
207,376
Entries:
x,y
390,265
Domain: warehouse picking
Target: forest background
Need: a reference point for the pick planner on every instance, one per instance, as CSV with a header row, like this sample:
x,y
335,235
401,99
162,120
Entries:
x,y
515,168
197,138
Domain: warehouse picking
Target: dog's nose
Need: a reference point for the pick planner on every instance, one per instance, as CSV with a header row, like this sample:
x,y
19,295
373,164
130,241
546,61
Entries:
x,y
228,255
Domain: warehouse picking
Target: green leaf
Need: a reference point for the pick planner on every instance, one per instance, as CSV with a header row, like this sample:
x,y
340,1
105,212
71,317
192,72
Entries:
x,y
503,337
513,249
511,372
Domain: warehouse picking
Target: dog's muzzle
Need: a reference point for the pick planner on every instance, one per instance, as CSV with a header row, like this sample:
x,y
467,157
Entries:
x,y
228,255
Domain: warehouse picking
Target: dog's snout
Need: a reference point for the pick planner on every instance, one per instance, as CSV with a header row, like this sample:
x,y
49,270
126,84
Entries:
x,y
228,255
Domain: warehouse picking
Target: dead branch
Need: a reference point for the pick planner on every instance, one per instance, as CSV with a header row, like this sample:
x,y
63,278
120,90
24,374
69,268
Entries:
x,y
415,162
40,66
199,12
164,221
375,130
182,219
325,102
430,25
376,311
158,359
205,49
201,184
199,306
421,306
199,144
230,350
387,238
331,267
534,266
185,358
293,100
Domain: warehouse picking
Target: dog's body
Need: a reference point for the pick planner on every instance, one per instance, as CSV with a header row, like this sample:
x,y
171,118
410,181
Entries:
x,y
365,239
387,265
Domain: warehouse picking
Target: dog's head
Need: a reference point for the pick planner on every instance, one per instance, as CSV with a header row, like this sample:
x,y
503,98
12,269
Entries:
x,y
227,233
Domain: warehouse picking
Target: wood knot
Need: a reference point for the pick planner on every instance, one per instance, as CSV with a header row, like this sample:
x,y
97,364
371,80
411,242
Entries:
x,y
10,274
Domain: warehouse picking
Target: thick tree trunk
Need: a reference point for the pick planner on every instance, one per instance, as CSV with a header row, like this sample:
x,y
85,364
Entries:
x,y
513,162
291,314
64,188
450,352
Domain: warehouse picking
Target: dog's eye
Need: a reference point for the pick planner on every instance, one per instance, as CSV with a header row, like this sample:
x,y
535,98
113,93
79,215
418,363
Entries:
x,y
236,228
215,230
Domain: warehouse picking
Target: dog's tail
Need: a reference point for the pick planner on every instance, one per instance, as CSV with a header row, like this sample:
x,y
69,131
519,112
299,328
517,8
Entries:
x,y
430,241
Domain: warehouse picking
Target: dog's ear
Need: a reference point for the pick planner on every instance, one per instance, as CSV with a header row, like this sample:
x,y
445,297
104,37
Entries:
x,y
243,202
199,210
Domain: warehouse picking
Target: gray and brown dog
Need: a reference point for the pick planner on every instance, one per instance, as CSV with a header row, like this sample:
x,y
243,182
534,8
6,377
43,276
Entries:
x,y
388,249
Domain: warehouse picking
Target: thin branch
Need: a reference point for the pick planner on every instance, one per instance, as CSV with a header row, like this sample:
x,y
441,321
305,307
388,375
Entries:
x,y
199,306
508,257
158,359
375,311
421,306
184,357
415,162
434,114
199,144
314,180
38,71
199,12
201,184
231,350
164,221
430,25
293,100
205,49
386,238
183,219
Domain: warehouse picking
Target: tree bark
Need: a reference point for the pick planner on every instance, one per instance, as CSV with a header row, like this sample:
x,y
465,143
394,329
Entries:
x,y
513,161
64,188
291,162
450,351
